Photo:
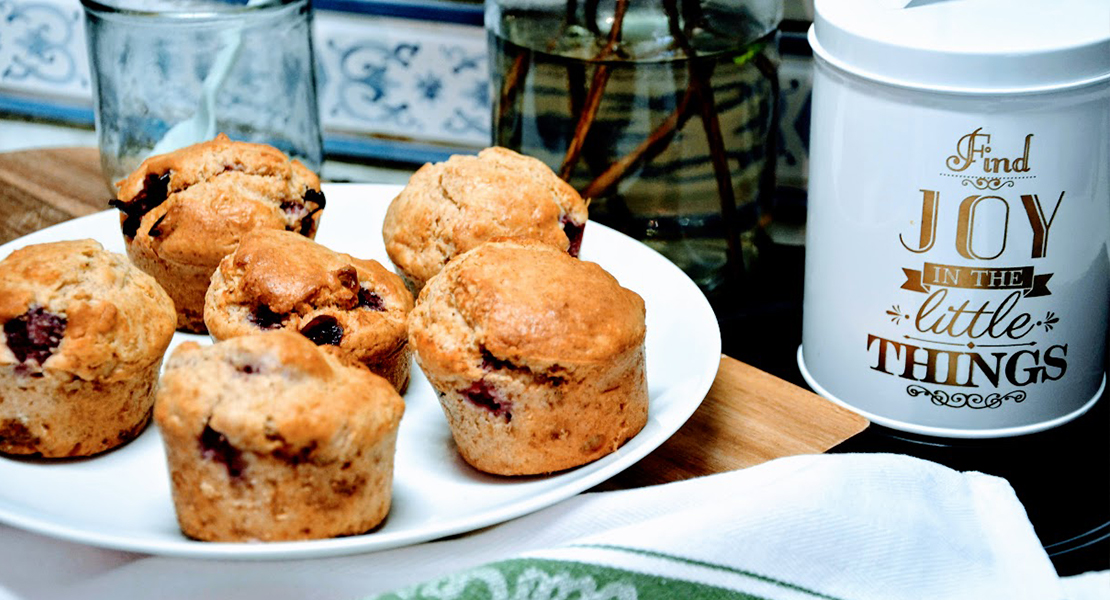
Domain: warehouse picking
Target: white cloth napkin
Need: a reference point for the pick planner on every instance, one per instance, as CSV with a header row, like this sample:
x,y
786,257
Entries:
x,y
843,527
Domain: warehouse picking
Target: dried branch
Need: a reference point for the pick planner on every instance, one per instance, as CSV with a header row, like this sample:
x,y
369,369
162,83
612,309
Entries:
x,y
651,147
513,80
593,97
700,85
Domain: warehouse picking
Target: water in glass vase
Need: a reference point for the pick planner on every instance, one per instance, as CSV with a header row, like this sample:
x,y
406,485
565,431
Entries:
x,y
662,117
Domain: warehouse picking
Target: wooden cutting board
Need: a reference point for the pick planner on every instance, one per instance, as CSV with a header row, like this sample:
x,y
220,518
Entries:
x,y
748,417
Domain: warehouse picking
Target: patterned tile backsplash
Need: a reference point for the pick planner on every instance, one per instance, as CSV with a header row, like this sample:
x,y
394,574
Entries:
x,y
42,49
401,78
398,81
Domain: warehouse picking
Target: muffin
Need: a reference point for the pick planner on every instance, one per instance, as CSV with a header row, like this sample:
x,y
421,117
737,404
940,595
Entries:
x,y
538,358
84,332
450,207
269,438
354,309
182,212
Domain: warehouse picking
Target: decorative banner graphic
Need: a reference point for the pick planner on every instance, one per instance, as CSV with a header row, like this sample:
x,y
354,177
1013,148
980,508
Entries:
x,y
977,278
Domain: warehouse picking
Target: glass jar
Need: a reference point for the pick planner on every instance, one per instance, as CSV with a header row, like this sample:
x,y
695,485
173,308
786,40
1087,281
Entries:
x,y
181,71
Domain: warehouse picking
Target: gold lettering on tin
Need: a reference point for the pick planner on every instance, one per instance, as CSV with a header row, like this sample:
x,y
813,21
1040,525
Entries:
x,y
976,145
977,324
965,227
929,207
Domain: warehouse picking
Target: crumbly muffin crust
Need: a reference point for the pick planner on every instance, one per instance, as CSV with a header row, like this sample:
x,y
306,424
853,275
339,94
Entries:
x,y
538,358
269,438
450,207
353,308
83,336
182,212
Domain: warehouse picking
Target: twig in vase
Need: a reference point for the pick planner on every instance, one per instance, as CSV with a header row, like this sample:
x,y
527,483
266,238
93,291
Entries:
x,y
593,97
655,143
513,79
576,72
700,85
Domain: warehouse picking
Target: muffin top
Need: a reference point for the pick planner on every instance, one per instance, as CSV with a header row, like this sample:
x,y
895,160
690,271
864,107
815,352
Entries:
x,y
450,207
278,279
193,204
73,306
274,393
523,302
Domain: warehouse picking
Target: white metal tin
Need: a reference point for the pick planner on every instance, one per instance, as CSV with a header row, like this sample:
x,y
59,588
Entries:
x,y
957,272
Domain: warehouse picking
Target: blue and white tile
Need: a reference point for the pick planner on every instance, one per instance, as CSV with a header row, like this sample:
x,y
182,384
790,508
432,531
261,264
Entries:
x,y
403,78
42,48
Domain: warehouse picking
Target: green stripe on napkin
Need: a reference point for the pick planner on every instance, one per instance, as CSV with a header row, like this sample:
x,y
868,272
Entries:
x,y
534,579
603,572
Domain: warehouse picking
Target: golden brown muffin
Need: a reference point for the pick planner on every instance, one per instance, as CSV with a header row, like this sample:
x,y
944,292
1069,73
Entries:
x,y
450,207
269,438
353,308
538,358
182,212
84,332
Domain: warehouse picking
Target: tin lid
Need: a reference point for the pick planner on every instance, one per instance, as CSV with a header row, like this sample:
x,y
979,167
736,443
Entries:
x,y
967,46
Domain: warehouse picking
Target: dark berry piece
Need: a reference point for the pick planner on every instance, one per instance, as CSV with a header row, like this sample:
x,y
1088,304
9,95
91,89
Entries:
x,y
322,330
214,446
247,369
574,234
483,394
348,278
369,299
315,197
289,453
154,192
552,380
492,363
15,433
301,214
35,334
154,229
295,210
264,318
306,223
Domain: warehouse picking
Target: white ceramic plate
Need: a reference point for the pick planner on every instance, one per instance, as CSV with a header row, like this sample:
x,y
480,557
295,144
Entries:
x,y
121,499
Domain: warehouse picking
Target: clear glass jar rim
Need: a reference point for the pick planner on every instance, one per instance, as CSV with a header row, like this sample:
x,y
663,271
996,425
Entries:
x,y
107,9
